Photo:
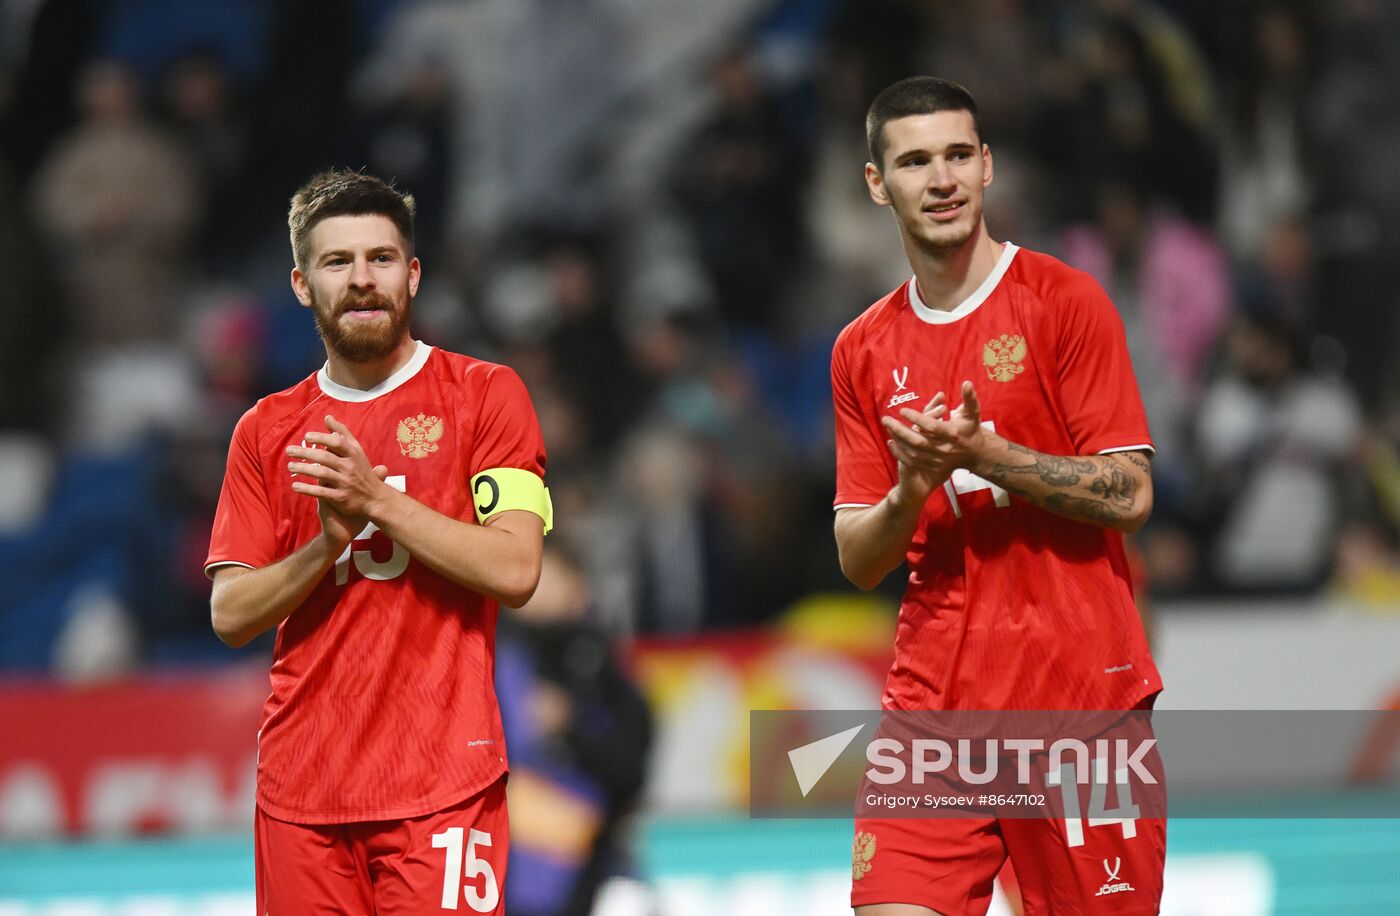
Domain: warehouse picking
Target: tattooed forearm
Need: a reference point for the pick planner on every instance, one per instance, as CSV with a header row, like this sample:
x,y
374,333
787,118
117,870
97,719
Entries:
x,y
1102,489
1078,507
1136,460
1115,486
1055,470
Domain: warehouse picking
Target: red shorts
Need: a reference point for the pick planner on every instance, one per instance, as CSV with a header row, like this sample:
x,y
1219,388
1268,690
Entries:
x,y
453,859
949,864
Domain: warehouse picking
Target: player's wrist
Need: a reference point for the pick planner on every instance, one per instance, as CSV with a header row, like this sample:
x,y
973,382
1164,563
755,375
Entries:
x,y
982,446
909,494
332,544
380,506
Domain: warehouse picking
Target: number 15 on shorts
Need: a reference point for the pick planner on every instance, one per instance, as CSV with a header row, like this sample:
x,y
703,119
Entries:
x,y
462,868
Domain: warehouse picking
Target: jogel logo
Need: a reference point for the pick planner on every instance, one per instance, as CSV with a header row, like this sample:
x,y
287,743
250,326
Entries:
x,y
862,851
1002,357
1113,885
418,436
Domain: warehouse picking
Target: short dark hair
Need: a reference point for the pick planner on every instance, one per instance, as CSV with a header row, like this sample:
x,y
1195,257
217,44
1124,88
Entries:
x,y
342,192
917,95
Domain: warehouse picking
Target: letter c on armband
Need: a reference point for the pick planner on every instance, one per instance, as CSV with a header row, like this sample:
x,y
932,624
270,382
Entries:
x,y
503,489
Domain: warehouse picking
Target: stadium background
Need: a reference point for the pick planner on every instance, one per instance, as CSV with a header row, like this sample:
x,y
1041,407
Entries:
x,y
653,210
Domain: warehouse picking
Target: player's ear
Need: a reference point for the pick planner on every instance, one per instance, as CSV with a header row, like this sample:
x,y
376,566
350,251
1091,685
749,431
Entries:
x,y
301,287
875,184
415,273
986,165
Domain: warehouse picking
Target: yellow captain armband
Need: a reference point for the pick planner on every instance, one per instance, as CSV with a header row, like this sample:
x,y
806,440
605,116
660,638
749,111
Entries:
x,y
503,489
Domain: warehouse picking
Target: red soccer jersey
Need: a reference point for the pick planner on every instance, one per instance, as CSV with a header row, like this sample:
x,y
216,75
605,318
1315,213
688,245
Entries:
x,y
383,705
1008,606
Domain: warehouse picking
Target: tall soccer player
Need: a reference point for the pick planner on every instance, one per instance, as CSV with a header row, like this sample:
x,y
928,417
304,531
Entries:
x,y
990,433
377,514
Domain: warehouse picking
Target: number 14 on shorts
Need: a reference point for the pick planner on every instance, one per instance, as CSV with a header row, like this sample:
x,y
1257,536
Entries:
x,y
463,864
1125,815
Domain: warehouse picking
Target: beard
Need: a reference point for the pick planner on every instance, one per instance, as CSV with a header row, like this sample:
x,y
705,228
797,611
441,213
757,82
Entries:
x,y
361,341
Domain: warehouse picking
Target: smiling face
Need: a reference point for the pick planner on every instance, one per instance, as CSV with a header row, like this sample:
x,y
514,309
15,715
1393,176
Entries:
x,y
934,172
359,282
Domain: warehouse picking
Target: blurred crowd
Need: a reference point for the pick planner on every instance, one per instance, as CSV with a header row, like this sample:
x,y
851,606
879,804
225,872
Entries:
x,y
654,211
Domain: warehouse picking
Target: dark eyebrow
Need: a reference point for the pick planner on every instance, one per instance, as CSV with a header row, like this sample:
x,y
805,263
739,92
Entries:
x,y
958,147
347,254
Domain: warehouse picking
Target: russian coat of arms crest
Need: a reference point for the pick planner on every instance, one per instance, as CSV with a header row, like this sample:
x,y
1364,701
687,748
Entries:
x,y
418,436
862,851
1002,357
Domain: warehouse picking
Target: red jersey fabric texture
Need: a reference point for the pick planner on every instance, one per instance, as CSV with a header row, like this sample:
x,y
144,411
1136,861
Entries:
x,y
1008,606
382,705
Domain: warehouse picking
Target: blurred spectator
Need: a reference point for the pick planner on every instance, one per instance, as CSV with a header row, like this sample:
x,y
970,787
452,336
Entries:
x,y
1186,77
201,106
1354,124
1274,441
299,109
1262,176
739,181
585,347
680,559
118,199
579,734
407,136
1168,279
855,243
554,308
1128,103
530,144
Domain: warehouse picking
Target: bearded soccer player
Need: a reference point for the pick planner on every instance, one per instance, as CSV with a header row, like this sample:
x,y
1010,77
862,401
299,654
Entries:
x,y
990,433
377,514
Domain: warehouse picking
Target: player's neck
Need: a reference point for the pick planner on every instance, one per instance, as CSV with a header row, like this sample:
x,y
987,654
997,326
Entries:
x,y
947,278
364,376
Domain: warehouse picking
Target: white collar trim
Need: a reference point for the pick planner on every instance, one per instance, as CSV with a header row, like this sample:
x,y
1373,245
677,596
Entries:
x,y
968,305
405,372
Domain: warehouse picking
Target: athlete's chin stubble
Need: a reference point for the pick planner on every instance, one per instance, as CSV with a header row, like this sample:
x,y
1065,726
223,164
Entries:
x,y
936,242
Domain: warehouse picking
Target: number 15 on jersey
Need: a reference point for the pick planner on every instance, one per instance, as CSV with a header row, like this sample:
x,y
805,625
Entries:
x,y
364,560
964,481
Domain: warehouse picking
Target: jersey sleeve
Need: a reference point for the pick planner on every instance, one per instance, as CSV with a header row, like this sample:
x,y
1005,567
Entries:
x,y
244,531
862,471
508,457
1097,388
